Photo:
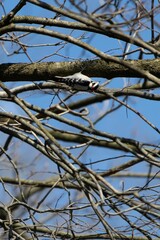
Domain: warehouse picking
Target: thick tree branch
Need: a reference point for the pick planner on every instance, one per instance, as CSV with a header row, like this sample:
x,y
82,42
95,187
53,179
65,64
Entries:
x,y
97,68
139,71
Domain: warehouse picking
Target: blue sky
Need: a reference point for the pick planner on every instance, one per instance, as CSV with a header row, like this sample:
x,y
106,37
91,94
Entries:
x,y
122,123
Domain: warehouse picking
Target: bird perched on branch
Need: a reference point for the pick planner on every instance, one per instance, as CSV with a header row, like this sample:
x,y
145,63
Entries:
x,y
79,82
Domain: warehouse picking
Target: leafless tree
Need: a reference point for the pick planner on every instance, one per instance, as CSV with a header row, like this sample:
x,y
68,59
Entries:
x,y
80,164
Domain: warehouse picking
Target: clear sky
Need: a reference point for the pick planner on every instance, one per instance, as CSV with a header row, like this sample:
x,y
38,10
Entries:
x,y
123,122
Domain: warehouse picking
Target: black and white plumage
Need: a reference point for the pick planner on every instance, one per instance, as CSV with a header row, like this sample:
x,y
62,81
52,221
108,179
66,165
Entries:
x,y
79,82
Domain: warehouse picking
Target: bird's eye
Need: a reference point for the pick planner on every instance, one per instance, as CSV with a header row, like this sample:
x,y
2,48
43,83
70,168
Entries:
x,y
93,85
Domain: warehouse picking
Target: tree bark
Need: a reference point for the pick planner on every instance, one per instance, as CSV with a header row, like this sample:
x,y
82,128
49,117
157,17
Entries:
x,y
97,68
